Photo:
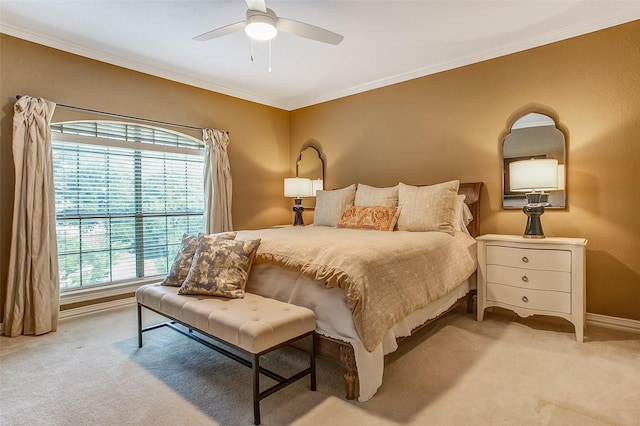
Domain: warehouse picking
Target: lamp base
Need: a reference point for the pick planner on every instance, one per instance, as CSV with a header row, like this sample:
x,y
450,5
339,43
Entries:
x,y
534,226
538,198
298,209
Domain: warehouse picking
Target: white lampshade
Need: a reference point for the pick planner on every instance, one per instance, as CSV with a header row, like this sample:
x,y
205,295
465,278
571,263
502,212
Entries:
x,y
533,175
298,187
316,185
561,177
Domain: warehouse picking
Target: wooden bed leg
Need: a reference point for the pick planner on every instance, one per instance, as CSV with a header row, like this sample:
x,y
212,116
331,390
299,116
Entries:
x,y
348,361
470,300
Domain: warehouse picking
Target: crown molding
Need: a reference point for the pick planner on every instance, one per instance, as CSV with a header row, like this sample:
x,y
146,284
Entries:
x,y
302,101
566,33
112,59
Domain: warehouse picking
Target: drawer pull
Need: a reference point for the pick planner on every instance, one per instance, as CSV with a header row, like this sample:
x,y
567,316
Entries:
x,y
525,278
525,299
525,259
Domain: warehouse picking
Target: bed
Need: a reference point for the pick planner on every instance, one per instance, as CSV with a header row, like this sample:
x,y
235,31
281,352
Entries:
x,y
366,305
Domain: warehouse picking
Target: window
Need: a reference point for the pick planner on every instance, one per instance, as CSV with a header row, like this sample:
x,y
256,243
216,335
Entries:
x,y
125,194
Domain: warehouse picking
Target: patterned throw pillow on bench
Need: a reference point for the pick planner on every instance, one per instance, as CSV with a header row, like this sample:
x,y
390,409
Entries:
x,y
184,257
220,267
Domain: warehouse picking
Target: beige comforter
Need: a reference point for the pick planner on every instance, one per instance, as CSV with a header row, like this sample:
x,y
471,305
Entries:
x,y
386,275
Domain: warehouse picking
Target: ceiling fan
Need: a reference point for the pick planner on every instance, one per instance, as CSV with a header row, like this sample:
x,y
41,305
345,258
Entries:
x,y
263,24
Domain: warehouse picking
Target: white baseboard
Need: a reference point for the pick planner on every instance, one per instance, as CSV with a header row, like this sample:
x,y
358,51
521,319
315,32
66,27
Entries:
x,y
615,323
89,309
96,307
101,291
598,320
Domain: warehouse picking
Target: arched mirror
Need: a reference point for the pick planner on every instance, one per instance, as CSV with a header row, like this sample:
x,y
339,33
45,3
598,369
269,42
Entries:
x,y
533,136
310,165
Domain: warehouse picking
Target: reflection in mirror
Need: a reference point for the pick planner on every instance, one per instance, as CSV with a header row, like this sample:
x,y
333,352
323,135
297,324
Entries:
x,y
533,136
311,165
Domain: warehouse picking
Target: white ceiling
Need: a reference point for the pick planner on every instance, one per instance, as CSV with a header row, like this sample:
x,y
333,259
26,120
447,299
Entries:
x,y
385,42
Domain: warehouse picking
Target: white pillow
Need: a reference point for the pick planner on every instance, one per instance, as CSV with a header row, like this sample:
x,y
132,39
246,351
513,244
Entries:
x,y
371,196
463,215
331,204
428,208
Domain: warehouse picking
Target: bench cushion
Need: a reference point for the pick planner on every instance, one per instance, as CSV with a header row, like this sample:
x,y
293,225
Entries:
x,y
254,323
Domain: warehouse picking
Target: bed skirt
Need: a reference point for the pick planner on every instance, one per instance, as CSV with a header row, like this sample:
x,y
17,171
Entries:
x,y
334,318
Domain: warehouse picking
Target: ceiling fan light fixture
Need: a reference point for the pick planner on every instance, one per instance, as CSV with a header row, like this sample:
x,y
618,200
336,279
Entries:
x,y
262,23
261,27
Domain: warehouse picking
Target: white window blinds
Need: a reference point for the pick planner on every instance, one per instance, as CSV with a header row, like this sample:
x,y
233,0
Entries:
x,y
125,194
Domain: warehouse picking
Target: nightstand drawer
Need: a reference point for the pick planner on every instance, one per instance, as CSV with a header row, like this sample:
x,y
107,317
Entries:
x,y
529,278
540,300
548,260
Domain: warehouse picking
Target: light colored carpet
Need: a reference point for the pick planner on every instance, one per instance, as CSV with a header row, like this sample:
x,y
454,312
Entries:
x,y
503,371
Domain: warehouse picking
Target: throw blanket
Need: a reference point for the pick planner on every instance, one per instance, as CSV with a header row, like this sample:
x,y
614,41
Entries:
x,y
386,275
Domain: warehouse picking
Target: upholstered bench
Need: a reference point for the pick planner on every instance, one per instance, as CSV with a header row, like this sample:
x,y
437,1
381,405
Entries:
x,y
254,325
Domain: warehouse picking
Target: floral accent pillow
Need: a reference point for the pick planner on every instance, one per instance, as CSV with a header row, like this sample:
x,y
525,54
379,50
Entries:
x,y
220,267
184,257
378,218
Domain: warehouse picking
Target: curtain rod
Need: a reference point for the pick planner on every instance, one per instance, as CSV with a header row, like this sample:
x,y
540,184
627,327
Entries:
x,y
112,114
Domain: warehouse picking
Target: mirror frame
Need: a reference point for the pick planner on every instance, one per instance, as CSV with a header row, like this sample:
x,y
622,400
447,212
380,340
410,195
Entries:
x,y
310,202
514,119
300,159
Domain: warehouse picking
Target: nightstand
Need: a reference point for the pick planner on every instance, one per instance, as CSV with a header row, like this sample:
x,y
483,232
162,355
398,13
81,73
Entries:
x,y
543,276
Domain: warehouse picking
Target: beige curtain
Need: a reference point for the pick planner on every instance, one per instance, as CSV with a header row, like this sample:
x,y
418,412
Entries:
x,y
32,299
217,182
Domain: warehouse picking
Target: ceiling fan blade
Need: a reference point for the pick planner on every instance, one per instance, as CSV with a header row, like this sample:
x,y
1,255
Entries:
x,y
257,5
222,31
308,31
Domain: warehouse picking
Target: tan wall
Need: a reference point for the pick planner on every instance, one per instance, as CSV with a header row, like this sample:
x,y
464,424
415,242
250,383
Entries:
x,y
450,125
444,126
259,151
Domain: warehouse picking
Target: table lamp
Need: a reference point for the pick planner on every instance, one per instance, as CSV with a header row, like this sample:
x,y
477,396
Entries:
x,y
298,188
534,177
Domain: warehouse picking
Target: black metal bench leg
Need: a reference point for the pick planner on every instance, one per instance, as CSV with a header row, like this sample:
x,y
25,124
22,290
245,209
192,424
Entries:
x,y
256,390
139,326
313,362
254,364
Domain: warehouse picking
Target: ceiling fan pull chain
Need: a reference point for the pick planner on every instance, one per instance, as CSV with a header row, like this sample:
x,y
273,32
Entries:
x,y
251,50
269,56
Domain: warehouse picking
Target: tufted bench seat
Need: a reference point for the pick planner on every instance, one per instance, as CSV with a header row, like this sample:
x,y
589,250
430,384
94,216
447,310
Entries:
x,y
254,325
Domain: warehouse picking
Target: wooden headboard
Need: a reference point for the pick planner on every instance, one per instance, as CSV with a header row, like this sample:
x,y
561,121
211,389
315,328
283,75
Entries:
x,y
472,191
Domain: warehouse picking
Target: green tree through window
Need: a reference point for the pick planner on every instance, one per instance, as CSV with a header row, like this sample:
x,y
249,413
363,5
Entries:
x,y
125,195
